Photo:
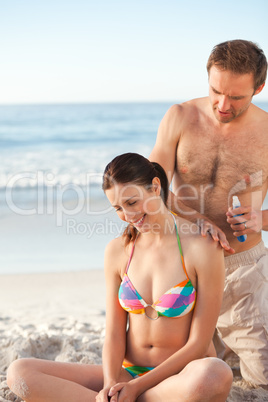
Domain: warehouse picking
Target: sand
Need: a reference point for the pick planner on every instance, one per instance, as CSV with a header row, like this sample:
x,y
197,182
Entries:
x,y
61,316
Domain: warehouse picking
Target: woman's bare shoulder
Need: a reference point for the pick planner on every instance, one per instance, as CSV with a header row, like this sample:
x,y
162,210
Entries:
x,y
198,250
187,230
206,256
116,255
115,246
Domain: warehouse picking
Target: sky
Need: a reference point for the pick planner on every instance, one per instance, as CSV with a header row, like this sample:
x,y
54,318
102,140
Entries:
x,y
58,51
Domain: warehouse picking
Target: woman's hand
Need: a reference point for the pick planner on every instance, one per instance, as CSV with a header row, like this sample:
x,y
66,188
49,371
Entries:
x,y
103,395
124,392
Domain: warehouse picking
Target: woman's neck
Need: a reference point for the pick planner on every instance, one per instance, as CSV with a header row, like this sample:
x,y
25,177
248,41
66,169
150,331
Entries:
x,y
161,227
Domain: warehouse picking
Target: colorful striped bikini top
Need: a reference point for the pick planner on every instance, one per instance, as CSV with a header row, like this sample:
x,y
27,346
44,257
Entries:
x,y
176,302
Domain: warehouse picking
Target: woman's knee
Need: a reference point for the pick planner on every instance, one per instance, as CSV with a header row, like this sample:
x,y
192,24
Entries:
x,y
210,376
16,369
215,368
17,376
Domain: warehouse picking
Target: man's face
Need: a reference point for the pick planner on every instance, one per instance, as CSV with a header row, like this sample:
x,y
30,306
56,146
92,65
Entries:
x,y
230,94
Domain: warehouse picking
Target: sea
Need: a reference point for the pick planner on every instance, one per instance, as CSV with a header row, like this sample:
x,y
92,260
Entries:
x,y
53,213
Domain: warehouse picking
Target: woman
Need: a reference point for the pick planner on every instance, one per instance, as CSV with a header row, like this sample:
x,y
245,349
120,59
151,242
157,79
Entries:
x,y
164,291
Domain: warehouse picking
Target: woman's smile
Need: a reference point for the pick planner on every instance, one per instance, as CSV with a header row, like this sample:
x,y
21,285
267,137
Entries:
x,y
138,222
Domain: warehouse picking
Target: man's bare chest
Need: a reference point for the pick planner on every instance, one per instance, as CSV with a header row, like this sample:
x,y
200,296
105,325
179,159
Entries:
x,y
221,162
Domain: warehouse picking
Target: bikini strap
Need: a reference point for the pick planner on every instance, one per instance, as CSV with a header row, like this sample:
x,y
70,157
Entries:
x,y
131,254
179,244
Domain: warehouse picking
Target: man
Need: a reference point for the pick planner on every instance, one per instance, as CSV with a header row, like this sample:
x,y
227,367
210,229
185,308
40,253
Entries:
x,y
214,148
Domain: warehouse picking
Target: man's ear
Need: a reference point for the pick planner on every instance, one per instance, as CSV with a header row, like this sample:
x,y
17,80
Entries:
x,y
259,89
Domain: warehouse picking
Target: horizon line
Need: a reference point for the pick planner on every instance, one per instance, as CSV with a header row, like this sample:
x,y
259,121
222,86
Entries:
x,y
62,103
86,102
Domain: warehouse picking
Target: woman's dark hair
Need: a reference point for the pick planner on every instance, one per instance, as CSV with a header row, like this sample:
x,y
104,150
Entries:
x,y
134,168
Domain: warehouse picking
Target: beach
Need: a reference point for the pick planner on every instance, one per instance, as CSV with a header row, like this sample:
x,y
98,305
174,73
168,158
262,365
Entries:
x,y
61,317
55,223
57,316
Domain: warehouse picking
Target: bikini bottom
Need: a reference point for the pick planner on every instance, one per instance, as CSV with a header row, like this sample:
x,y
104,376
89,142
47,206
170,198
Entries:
x,y
136,371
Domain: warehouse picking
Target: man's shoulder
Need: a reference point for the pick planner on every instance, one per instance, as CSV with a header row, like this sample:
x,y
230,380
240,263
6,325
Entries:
x,y
190,109
258,123
197,103
258,113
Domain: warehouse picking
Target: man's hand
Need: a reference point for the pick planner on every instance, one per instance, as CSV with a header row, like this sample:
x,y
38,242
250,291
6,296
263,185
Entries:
x,y
248,221
207,227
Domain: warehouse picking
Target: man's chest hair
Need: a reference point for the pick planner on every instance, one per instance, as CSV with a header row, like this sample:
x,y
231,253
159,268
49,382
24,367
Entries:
x,y
224,161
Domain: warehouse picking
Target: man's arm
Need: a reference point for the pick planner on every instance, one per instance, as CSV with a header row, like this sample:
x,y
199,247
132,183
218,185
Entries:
x,y
265,220
205,224
168,137
248,221
164,152
249,218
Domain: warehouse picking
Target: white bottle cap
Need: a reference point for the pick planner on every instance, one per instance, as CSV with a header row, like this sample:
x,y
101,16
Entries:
x,y
236,202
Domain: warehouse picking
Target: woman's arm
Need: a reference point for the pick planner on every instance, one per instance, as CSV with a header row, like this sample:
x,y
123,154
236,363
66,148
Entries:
x,y
207,259
116,317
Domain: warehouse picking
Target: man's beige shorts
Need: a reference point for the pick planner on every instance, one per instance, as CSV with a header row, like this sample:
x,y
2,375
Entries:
x,y
243,321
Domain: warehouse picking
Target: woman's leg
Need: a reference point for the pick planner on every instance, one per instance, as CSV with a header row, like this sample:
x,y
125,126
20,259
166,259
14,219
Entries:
x,y
206,380
43,380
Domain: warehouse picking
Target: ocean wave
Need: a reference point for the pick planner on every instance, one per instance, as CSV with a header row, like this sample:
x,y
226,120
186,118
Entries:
x,y
68,144
52,167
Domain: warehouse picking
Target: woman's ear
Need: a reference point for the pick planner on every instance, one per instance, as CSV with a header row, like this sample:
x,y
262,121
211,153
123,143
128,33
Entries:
x,y
156,185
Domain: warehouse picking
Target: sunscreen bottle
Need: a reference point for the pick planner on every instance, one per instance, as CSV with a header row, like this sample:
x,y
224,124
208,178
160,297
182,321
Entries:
x,y
236,204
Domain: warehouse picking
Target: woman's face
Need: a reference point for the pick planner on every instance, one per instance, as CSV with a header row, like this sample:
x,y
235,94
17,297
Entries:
x,y
135,204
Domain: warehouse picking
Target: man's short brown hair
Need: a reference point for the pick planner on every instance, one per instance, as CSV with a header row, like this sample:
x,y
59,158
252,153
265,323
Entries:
x,y
240,57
